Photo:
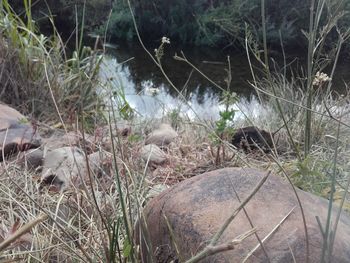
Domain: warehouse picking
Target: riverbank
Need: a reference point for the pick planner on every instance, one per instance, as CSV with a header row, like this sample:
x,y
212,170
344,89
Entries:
x,y
102,162
80,177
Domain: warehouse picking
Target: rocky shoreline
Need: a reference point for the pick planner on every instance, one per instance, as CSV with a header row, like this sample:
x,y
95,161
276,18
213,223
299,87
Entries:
x,y
64,159
73,164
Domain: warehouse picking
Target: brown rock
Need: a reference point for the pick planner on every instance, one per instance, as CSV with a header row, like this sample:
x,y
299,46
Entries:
x,y
10,113
196,208
252,138
163,136
16,134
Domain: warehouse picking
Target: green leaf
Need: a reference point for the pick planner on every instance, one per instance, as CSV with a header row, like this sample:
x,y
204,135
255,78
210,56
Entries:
x,y
126,248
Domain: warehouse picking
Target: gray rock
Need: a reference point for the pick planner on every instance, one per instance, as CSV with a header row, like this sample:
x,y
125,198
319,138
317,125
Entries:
x,y
16,134
64,168
61,139
196,208
162,136
32,159
152,154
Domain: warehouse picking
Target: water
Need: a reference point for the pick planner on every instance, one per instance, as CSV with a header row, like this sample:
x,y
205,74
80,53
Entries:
x,y
150,95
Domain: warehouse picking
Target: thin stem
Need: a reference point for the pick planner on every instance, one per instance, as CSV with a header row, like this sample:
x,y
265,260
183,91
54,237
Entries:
x,y
23,230
263,21
310,66
327,240
301,210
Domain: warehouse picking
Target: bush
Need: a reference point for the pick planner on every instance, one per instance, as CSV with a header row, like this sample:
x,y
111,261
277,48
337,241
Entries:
x,y
215,23
65,12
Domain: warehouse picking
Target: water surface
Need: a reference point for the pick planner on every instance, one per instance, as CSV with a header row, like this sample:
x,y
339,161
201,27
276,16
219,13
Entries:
x,y
150,94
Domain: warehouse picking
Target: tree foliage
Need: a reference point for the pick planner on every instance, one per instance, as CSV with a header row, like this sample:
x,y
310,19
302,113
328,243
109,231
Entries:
x,y
214,22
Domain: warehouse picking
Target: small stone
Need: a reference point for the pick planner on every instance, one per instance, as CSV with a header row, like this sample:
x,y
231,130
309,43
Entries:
x,y
99,162
162,136
61,139
32,159
152,154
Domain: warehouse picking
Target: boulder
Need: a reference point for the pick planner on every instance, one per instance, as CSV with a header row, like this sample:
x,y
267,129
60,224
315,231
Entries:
x,y
64,168
196,208
16,134
162,136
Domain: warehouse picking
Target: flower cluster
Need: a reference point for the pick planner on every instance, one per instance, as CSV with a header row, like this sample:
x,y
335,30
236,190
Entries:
x,y
320,78
165,40
160,50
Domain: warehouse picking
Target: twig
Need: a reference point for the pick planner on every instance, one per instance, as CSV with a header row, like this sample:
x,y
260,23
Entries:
x,y
268,236
230,245
23,230
251,224
212,250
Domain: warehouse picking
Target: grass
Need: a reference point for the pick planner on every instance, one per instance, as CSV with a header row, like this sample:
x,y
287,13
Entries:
x,y
39,77
95,223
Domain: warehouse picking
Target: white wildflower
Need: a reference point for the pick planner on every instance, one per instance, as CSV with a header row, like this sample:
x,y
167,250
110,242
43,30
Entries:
x,y
320,78
165,40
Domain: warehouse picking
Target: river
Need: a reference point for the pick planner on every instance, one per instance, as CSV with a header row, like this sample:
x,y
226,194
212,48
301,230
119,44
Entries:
x,y
150,95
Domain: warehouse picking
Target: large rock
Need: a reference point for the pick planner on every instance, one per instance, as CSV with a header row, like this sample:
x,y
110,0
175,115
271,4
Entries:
x,y
64,168
197,207
162,136
16,134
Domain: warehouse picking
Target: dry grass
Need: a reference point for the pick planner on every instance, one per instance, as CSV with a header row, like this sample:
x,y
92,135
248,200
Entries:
x,y
75,230
90,223
80,220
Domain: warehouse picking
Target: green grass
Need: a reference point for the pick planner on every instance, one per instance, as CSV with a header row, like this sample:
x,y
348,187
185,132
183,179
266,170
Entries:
x,y
40,78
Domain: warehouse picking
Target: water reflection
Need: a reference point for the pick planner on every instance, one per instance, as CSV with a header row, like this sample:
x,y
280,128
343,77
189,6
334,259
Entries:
x,y
154,100
150,95
147,91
